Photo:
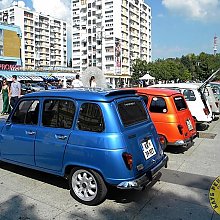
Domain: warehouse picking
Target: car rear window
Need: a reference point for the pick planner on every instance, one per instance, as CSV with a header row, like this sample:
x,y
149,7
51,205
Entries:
x,y
132,112
180,103
189,95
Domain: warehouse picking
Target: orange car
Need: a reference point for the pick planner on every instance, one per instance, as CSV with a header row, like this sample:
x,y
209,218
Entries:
x,y
170,114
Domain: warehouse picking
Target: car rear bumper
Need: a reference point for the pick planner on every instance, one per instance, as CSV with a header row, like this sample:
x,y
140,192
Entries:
x,y
184,142
145,179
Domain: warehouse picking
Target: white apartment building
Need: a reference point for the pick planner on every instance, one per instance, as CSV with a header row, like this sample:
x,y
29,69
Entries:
x,y
44,39
110,34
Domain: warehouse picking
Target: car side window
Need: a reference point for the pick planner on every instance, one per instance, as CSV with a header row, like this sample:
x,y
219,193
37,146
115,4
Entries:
x,y
158,105
189,95
90,118
26,113
58,113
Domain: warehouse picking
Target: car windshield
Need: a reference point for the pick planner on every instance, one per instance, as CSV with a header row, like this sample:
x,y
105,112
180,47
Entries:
x,y
132,112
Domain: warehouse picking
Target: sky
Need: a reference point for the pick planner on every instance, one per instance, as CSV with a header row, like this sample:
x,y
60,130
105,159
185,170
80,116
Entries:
x,y
179,27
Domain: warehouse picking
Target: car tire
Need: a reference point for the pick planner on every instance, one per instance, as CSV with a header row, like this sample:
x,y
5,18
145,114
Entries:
x,y
87,186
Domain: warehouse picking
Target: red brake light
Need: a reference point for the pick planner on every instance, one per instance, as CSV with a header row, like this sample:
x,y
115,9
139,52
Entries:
x,y
162,139
206,111
180,128
128,160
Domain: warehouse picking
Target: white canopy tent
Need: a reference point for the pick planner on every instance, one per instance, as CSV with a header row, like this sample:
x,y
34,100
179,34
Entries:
x,y
147,77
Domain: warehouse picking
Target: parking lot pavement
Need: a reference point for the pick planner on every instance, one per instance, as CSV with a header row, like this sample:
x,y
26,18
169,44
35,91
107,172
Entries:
x,y
182,192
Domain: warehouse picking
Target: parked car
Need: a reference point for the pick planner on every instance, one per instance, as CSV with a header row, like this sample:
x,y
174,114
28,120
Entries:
x,y
214,101
197,102
94,138
25,89
35,87
216,89
170,114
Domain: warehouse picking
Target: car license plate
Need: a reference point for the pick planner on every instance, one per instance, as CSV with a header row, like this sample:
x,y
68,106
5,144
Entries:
x,y
148,149
189,124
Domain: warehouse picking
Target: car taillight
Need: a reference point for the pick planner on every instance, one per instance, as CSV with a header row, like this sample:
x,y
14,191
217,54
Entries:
x,y
162,139
180,128
163,142
206,111
128,160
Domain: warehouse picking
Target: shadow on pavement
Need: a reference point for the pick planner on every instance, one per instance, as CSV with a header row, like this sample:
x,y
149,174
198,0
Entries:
x,y
15,208
202,127
152,203
37,175
178,149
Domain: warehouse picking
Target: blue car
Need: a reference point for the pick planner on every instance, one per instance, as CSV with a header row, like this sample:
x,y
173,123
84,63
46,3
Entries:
x,y
94,138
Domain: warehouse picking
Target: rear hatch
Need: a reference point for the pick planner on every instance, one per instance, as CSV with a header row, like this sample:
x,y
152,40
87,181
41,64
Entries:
x,y
140,135
186,126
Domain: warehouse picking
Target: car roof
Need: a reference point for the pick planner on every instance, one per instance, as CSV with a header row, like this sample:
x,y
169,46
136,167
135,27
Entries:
x,y
158,91
215,83
90,94
177,85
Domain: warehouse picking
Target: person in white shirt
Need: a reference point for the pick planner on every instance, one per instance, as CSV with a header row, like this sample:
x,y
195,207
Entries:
x,y
15,91
77,83
92,82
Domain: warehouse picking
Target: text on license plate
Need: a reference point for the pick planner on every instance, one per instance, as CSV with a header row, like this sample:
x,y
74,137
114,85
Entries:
x,y
148,149
189,125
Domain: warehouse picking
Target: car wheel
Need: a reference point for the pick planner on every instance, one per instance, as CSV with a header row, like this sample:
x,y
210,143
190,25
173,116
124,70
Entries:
x,y
87,186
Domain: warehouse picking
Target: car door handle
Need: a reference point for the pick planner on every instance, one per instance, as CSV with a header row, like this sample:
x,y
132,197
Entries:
x,y
60,136
30,132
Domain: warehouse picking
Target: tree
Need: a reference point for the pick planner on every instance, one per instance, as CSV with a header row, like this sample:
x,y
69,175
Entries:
x,y
139,69
190,67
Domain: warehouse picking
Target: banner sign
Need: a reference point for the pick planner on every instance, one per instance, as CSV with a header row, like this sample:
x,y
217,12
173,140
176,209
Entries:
x,y
9,67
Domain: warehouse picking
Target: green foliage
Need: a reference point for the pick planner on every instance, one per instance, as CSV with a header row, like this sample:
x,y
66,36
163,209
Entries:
x,y
189,67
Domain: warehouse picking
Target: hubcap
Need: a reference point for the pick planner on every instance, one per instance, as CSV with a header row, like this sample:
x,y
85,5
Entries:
x,y
84,185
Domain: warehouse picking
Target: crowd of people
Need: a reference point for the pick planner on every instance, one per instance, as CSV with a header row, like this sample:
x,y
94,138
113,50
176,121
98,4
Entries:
x,y
11,92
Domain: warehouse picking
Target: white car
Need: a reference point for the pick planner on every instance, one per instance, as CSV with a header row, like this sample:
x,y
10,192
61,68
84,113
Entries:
x,y
197,102
213,101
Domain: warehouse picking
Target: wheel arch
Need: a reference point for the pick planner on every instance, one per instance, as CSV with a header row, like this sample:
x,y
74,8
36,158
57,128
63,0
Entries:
x,y
69,167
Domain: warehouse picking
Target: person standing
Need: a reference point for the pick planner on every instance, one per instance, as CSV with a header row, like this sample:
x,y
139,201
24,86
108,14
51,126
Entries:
x,y
77,83
15,91
92,82
59,85
5,97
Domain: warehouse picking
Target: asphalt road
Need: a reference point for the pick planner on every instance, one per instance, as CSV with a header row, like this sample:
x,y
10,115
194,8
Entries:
x,y
181,194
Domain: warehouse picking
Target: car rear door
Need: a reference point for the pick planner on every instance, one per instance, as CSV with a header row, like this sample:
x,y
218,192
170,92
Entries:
x,y
140,135
54,132
186,122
